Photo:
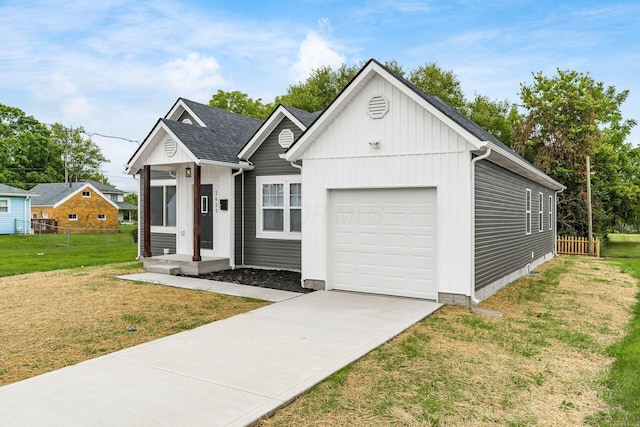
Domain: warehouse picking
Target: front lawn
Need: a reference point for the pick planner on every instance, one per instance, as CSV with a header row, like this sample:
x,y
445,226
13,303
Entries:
x,y
46,252
622,246
543,363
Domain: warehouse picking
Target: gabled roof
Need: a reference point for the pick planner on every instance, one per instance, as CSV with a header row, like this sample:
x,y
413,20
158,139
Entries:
x,y
302,119
7,190
217,136
53,194
471,131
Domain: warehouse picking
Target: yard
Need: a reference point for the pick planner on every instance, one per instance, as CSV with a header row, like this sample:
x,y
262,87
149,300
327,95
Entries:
x,y
557,356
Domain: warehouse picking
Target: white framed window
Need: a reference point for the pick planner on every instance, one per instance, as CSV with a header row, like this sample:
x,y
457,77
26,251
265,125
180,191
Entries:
x,y
550,212
86,194
102,217
528,211
5,206
73,217
279,207
163,206
540,209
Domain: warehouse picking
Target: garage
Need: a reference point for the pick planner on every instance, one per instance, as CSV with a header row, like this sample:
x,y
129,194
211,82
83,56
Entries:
x,y
383,241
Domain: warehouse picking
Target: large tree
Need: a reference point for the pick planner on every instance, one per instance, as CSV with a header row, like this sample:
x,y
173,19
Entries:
x,y
83,157
570,116
241,103
28,156
442,83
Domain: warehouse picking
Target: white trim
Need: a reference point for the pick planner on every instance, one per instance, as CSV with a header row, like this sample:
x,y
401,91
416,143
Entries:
x,y
104,217
265,130
175,112
8,200
527,208
79,191
540,212
74,215
286,180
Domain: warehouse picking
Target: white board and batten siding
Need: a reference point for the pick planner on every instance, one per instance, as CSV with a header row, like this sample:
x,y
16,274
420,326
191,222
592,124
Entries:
x,y
416,151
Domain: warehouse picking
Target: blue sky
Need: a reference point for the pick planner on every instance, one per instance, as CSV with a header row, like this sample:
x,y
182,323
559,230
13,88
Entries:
x,y
116,66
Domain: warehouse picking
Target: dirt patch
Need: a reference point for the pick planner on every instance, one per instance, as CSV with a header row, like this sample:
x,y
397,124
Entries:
x,y
274,279
59,318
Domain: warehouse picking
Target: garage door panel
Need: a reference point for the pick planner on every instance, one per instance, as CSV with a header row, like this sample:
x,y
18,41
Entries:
x,y
383,241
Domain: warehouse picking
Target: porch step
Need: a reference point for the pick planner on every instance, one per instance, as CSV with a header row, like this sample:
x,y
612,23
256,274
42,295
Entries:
x,y
171,270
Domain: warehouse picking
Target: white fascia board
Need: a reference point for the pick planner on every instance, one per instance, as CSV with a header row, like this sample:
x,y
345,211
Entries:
x,y
265,130
372,69
177,109
17,195
520,166
154,138
244,166
83,188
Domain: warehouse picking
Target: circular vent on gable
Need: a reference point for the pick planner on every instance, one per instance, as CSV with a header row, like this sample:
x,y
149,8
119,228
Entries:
x,y
285,138
170,148
377,107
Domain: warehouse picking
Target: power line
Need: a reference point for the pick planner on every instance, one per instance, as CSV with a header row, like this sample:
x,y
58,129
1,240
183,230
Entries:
x,y
90,134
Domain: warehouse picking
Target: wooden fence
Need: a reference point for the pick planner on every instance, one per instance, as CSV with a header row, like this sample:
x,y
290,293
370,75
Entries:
x,y
570,245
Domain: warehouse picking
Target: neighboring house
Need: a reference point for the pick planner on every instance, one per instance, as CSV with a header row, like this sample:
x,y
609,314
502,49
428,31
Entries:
x,y
388,190
81,207
15,205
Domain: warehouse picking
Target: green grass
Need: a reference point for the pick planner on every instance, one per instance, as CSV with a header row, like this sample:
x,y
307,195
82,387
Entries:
x,y
622,246
46,252
623,380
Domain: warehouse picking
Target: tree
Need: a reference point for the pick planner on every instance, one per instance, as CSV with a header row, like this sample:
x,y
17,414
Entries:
x,y
84,158
442,83
321,87
28,155
570,116
241,103
497,117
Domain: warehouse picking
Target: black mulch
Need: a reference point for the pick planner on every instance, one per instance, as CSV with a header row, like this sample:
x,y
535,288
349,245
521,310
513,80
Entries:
x,y
274,279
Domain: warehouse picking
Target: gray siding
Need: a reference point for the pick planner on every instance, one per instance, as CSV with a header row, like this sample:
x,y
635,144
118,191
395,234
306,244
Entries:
x,y
270,253
159,241
501,243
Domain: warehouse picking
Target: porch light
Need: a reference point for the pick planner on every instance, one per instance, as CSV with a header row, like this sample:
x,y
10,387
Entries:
x,y
187,172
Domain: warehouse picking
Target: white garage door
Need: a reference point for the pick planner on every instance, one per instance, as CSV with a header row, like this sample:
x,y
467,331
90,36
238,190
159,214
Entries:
x,y
383,241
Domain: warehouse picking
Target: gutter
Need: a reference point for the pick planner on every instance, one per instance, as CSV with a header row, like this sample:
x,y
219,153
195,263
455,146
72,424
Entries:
x,y
487,152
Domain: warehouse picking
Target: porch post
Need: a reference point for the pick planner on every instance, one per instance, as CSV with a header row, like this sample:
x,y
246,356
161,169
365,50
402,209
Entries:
x,y
196,213
146,232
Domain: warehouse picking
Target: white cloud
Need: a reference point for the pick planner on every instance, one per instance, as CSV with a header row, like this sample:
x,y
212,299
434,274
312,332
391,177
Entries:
x,y
314,52
195,76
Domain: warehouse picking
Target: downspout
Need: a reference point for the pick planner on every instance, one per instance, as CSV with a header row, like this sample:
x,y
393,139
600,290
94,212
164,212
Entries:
x,y
27,211
472,295
233,217
296,165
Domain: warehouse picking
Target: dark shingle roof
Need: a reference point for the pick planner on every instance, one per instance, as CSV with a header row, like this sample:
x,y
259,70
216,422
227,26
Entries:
x,y
305,117
9,190
48,194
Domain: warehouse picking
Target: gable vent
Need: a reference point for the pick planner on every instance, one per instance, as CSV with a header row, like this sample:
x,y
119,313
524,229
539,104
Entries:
x,y
187,121
377,107
170,148
285,139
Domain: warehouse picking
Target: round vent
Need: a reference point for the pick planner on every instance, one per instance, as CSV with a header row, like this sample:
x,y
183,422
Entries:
x,y
377,107
170,148
285,139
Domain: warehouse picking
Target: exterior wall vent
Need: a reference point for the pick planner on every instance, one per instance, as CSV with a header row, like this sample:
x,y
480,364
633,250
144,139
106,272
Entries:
x,y
170,148
285,138
377,107
187,121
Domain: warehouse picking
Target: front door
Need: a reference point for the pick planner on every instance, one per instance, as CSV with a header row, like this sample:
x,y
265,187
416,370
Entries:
x,y
206,213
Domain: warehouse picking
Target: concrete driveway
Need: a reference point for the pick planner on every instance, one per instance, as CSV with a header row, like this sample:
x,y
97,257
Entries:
x,y
227,373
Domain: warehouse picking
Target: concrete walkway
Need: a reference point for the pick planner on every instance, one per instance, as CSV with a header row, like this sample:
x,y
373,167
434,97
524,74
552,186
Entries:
x,y
227,373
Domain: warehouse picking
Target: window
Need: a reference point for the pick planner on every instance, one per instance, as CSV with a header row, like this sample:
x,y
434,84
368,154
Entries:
x,y
86,194
163,206
113,197
550,212
34,216
540,215
73,217
4,206
278,207
528,211
102,217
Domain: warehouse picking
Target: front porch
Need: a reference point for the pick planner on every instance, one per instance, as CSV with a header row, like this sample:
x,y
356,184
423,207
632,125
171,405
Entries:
x,y
175,264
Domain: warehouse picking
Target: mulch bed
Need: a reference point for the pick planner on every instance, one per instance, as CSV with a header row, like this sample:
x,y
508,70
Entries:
x,y
275,279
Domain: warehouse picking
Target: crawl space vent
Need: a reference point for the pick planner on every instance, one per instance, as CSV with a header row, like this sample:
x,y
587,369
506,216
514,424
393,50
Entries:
x,y
285,139
377,107
170,148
